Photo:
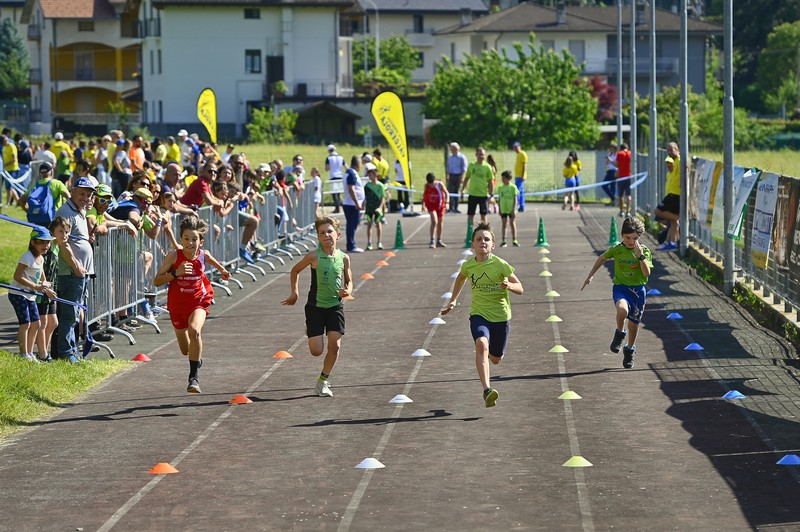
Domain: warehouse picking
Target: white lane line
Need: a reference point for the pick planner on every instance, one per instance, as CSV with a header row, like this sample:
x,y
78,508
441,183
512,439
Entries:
x,y
572,433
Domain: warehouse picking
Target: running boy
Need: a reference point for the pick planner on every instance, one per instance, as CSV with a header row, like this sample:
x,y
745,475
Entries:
x,y
435,198
508,194
190,292
375,197
632,265
491,279
331,280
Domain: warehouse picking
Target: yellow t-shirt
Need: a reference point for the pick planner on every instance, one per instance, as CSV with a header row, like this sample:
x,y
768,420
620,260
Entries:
x,y
383,167
520,165
174,153
570,171
10,160
673,185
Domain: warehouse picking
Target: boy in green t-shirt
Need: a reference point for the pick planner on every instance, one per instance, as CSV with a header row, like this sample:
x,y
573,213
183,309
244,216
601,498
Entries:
x,y
331,281
508,193
632,265
491,279
375,195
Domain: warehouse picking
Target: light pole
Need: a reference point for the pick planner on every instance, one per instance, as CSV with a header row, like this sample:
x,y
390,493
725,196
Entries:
x,y
377,34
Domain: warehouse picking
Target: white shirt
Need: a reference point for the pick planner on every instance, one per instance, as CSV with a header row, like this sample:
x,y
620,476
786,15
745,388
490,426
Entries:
x,y
335,165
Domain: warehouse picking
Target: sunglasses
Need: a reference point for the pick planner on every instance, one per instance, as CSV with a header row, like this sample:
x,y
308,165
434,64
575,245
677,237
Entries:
x,y
105,201
212,171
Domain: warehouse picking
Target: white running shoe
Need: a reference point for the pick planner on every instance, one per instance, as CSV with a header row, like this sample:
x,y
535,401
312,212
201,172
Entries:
x,y
323,389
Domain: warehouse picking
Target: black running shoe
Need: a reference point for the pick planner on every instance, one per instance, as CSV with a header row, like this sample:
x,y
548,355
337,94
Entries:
x,y
616,343
627,358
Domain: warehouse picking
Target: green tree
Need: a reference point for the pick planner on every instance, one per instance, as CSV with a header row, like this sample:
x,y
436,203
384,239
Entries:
x,y
777,67
538,98
398,60
266,127
14,63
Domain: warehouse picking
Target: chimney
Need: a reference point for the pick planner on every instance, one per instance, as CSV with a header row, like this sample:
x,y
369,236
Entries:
x,y
640,13
561,14
466,16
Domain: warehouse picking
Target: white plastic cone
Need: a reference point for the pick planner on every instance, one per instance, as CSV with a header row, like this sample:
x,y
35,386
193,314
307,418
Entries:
x,y
447,295
400,399
466,253
460,262
437,321
369,463
420,353
455,274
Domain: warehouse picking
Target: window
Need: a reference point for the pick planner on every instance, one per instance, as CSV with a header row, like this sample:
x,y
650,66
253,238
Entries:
x,y
419,26
548,44
453,52
252,13
421,60
152,63
578,49
158,54
252,61
85,25
160,110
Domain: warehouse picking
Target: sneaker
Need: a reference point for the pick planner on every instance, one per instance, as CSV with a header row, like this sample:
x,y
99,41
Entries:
x,y
503,244
564,207
355,250
515,243
577,207
73,360
490,397
440,244
668,246
628,214
245,256
369,247
259,248
619,336
380,246
627,358
621,213
432,245
323,389
150,316
48,359
103,337
194,386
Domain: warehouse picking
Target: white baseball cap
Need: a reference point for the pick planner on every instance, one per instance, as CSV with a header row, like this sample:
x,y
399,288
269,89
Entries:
x,y
331,147
58,136
370,167
183,133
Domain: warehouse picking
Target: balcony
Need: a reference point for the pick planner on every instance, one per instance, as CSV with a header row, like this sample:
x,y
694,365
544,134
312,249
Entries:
x,y
150,28
35,75
665,66
421,39
34,32
129,29
94,74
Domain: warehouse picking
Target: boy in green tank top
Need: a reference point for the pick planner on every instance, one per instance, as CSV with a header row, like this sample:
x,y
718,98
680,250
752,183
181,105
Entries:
x,y
331,281
491,279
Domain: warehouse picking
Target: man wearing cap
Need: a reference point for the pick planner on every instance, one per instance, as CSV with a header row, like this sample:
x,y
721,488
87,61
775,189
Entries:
x,y
335,166
520,174
75,264
456,168
59,145
98,219
58,189
184,148
670,207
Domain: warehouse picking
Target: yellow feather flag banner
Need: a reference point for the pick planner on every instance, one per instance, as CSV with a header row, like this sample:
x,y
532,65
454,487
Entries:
x,y
207,112
388,112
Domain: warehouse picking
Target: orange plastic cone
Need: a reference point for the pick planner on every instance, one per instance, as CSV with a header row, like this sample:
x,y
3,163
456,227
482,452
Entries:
x,y
240,400
367,276
141,357
348,298
283,354
382,263
389,254
162,468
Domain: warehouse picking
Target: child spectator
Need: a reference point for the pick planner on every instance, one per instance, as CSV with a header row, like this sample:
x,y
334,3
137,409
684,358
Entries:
x,y
375,201
491,279
331,280
632,265
434,199
48,319
577,164
507,194
316,181
190,292
570,171
29,276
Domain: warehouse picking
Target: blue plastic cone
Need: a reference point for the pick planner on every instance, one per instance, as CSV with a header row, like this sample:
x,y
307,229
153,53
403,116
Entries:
x,y
789,459
654,292
693,347
733,394
674,316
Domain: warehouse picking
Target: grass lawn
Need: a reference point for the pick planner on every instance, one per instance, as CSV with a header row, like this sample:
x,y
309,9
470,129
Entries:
x,y
13,244
785,162
30,391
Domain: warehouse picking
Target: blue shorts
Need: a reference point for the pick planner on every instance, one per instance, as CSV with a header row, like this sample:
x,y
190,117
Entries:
x,y
570,182
494,331
27,311
635,296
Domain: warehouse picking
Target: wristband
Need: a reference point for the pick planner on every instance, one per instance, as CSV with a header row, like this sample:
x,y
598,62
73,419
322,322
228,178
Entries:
x,y
174,275
642,257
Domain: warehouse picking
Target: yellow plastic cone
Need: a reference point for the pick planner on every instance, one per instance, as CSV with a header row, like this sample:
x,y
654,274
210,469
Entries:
x,y
577,461
559,349
552,293
545,274
553,319
569,395
545,259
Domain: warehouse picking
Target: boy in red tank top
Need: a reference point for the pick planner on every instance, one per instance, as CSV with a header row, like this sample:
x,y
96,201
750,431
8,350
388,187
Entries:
x,y
190,292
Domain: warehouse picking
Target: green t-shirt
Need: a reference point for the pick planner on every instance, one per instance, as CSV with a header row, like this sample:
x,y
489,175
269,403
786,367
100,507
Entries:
x,y
480,175
627,270
507,195
57,189
374,194
98,218
488,299
326,279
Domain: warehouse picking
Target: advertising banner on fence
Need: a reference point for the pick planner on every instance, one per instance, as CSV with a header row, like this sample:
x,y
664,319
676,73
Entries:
x,y
388,112
718,216
766,197
698,206
207,112
742,194
785,217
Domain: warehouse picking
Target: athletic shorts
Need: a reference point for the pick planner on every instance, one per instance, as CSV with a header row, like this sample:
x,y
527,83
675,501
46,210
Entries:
x,y
437,207
494,331
374,216
505,215
634,295
180,316
47,307
320,321
477,201
670,203
25,308
624,188
570,182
